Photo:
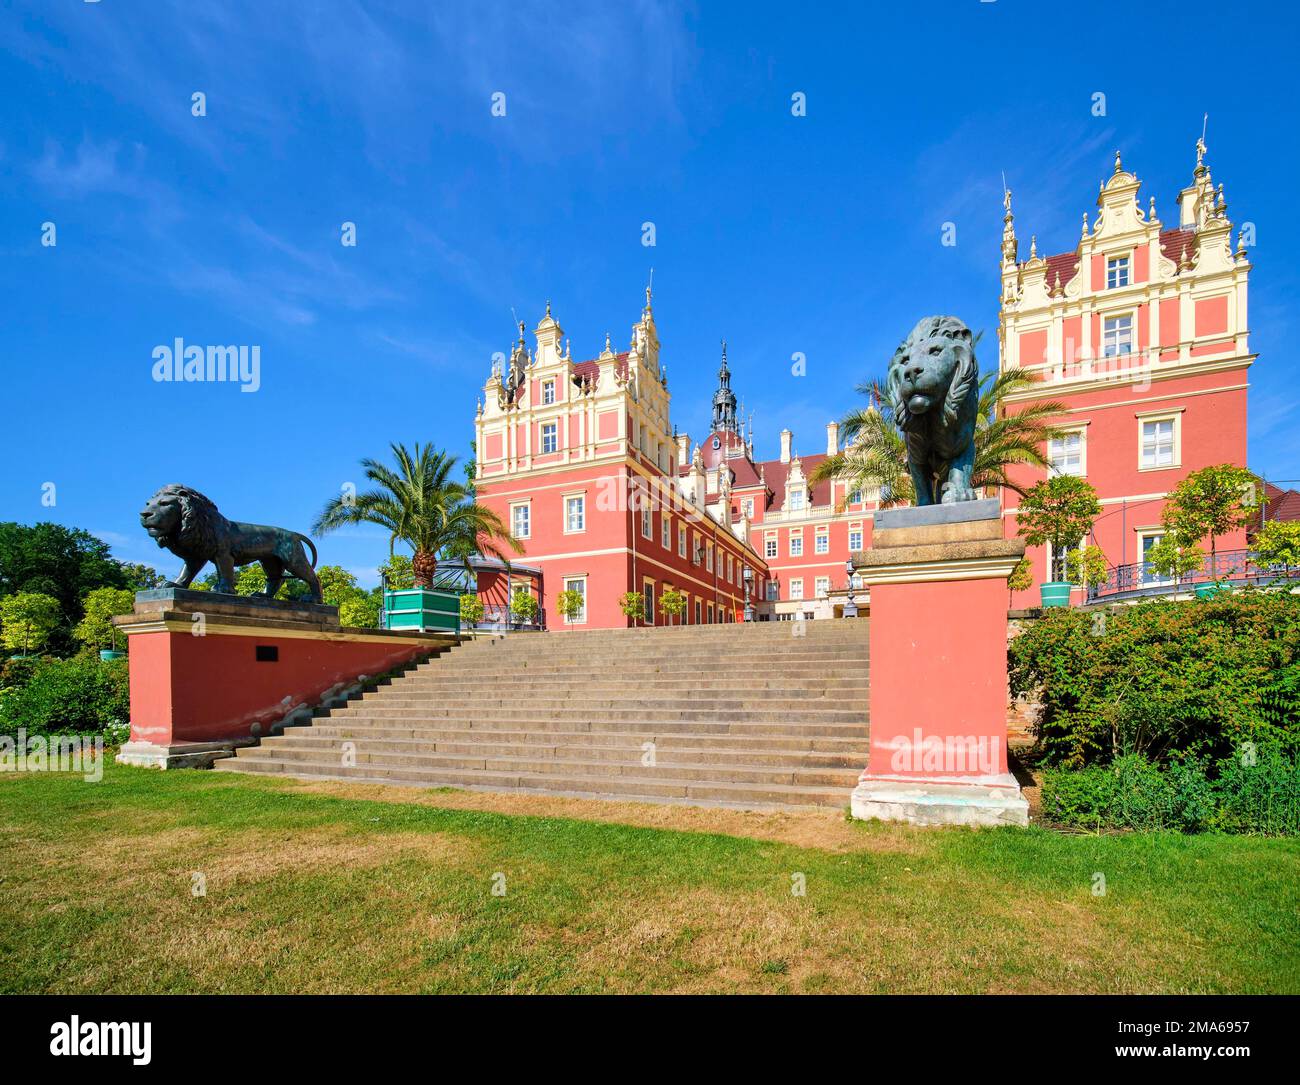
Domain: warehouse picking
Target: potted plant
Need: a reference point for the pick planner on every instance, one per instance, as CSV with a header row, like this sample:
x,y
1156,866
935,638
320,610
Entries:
x,y
672,603
570,604
26,621
632,604
96,628
1058,511
471,610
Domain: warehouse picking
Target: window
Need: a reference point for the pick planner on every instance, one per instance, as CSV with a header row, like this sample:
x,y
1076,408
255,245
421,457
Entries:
x,y
1117,336
1065,454
796,499
796,546
796,588
823,586
773,591
1057,568
681,538
520,521
1158,443
822,544
855,498
548,391
855,539
748,506
575,513
708,557
710,614
648,602
698,612
578,584
1147,541
549,440
666,531
769,547
647,524
1116,272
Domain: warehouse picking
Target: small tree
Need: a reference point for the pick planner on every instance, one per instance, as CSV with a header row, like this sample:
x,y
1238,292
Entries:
x,y
1059,510
523,606
570,604
672,603
359,610
1087,567
1021,578
27,620
101,605
632,604
1211,502
1278,543
471,610
398,573
1174,559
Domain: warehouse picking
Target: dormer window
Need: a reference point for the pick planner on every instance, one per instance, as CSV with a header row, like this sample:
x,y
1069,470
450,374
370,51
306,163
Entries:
x,y
1116,272
796,499
548,391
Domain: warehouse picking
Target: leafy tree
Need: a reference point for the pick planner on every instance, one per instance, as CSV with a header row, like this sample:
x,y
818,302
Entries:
x,y
471,610
876,456
1059,510
1278,543
142,577
101,605
359,610
420,504
397,572
51,559
1174,559
27,620
523,606
632,604
569,603
1087,567
672,603
1212,502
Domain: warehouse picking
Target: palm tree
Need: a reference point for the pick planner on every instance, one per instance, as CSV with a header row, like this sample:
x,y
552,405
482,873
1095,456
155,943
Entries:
x,y
420,504
876,455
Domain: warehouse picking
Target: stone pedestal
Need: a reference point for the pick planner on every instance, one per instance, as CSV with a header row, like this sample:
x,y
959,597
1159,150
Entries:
x,y
938,580
211,672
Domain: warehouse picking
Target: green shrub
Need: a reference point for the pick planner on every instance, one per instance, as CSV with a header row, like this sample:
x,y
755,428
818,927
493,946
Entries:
x,y
1169,680
1257,794
81,695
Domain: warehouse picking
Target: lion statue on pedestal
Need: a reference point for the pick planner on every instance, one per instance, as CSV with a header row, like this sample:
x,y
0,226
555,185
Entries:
x,y
188,524
933,388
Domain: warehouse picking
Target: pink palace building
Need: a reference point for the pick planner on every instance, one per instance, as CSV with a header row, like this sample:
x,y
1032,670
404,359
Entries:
x,y
1141,332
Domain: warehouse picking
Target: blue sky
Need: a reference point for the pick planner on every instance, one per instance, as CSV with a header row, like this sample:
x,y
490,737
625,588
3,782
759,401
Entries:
x,y
818,234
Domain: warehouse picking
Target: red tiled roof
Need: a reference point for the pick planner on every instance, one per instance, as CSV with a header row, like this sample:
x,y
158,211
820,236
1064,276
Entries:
x,y
1061,269
776,471
1173,243
1282,505
591,367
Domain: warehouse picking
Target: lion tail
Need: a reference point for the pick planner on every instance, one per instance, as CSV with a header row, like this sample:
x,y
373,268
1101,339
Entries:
x,y
309,543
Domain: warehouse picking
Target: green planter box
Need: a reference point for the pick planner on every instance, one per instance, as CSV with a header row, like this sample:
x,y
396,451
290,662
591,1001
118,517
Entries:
x,y
1209,591
107,654
423,609
1055,593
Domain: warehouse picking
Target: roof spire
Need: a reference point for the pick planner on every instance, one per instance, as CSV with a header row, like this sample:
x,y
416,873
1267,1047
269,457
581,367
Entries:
x,y
1200,144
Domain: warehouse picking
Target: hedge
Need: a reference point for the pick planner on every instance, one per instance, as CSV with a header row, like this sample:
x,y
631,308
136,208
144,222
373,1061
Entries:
x,y
82,695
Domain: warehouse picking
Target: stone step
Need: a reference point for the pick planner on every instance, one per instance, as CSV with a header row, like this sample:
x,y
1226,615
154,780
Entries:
x,y
329,745
585,702
608,787
852,745
781,726
636,716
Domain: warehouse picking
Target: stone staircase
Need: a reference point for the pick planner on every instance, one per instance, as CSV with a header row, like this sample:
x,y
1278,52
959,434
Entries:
x,y
748,715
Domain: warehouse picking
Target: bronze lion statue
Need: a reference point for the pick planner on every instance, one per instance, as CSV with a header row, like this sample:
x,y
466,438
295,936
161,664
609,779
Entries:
x,y
933,388
185,522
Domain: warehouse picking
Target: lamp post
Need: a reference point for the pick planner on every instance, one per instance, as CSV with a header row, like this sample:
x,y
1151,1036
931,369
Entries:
x,y
850,607
749,591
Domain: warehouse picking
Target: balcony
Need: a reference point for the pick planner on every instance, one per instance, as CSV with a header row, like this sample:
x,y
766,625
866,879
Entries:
x,y
1233,568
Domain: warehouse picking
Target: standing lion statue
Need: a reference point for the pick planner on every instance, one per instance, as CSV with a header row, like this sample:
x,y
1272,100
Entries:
x,y
185,522
933,388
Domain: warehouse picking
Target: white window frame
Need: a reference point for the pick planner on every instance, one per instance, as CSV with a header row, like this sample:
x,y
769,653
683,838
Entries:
x,y
647,523
855,532
681,538
648,601
1108,333
821,586
796,544
771,547
569,582
1146,578
548,391
748,506
527,508
1081,432
796,587
665,531
569,500
797,495
1117,266
822,541
1175,418
553,434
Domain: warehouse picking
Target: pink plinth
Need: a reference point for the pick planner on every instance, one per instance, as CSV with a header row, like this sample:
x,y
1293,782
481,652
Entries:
x,y
939,675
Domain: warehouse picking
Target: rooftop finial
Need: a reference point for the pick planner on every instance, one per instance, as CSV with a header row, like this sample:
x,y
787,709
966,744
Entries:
x,y
1085,224
607,346
548,306
1200,144
1118,166
1033,246
649,290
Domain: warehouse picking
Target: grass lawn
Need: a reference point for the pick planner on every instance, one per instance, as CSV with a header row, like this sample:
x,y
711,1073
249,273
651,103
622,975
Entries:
x,y
332,888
